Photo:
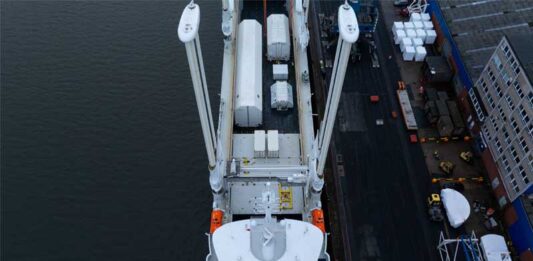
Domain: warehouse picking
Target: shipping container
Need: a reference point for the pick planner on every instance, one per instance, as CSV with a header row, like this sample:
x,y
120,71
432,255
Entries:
x,y
445,126
455,115
273,144
259,144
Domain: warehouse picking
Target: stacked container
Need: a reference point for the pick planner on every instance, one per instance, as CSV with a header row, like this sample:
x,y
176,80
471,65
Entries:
x,y
409,53
397,26
421,33
428,25
420,53
418,25
431,35
408,25
417,42
411,33
399,35
415,17
411,36
404,43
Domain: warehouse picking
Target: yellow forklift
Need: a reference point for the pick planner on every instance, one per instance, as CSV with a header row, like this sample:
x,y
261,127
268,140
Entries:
x,y
466,156
435,208
447,167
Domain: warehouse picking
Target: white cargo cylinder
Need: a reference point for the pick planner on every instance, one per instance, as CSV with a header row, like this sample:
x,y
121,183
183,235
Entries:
x,y
249,78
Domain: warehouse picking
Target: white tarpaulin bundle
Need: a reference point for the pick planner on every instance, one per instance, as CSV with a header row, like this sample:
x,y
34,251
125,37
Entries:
x,y
456,205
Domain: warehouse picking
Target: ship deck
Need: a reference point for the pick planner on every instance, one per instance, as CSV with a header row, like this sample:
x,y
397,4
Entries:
x,y
283,121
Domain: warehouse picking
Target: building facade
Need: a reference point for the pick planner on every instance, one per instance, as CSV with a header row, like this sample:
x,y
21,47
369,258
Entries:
x,y
505,109
502,99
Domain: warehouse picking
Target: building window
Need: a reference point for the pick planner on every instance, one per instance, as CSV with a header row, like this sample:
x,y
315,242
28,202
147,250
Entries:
x,y
509,102
514,154
515,125
519,91
506,78
490,100
502,113
523,114
485,87
515,184
497,62
505,164
486,132
506,135
498,89
523,144
475,103
522,171
498,145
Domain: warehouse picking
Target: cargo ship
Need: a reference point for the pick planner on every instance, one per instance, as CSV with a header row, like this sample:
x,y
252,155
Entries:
x,y
266,160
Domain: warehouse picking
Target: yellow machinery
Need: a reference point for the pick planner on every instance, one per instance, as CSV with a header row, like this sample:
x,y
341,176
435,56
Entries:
x,y
447,167
466,156
435,208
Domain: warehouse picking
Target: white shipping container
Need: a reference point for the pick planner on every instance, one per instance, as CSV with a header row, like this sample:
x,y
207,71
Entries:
x,y
273,144
408,25
418,25
281,97
397,25
420,54
405,42
431,35
421,33
259,144
409,53
249,80
411,33
428,25
280,71
415,17
417,42
278,38
400,34
425,17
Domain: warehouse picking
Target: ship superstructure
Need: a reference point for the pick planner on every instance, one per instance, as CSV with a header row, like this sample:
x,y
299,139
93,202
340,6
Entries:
x,y
266,161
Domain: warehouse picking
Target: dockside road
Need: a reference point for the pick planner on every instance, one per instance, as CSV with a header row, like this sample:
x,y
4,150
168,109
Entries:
x,y
383,178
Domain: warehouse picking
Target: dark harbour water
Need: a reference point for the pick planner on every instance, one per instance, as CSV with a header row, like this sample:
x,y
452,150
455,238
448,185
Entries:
x,y
101,150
